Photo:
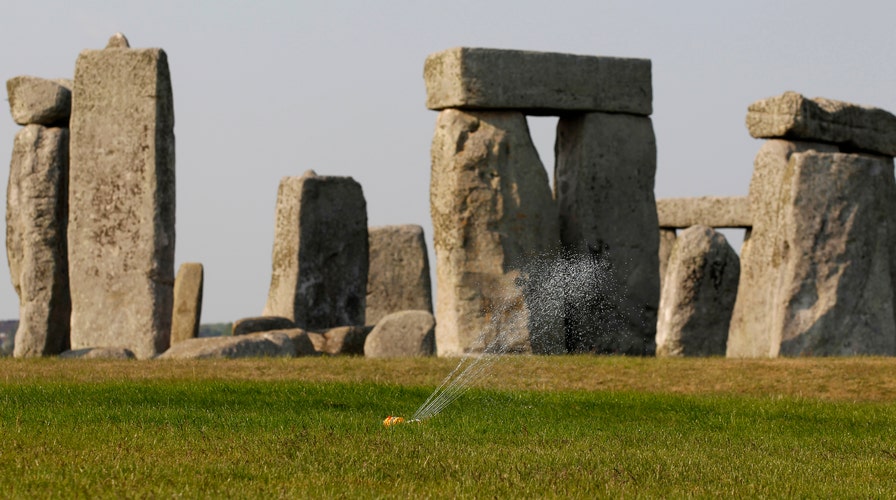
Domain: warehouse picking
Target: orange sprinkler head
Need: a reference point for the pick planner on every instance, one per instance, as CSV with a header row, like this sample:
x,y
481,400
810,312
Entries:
x,y
390,421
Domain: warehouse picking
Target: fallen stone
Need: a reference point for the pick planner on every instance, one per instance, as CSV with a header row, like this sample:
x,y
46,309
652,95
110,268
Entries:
x,y
122,202
492,211
712,211
698,295
257,324
751,331
851,126
342,340
402,334
604,189
36,215
254,345
99,353
398,276
300,340
320,258
39,101
187,302
539,83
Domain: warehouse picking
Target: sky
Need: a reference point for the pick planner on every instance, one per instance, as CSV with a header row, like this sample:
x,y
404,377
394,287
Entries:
x,y
268,89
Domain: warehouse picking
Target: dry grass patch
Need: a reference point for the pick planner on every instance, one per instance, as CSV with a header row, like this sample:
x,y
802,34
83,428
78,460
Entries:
x,y
828,379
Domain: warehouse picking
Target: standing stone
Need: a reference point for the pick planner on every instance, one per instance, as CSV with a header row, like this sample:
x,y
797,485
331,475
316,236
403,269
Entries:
x,y
604,189
36,217
320,258
667,240
402,334
839,256
34,100
751,333
698,295
187,302
121,217
398,278
492,211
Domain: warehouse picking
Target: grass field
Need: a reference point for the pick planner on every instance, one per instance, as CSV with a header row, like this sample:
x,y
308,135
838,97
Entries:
x,y
575,426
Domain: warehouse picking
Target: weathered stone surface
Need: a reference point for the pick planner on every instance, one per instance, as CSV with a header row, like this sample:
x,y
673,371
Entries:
x,y
750,333
401,334
187,302
122,201
257,324
99,353
320,258
254,345
604,189
698,295
853,127
398,277
36,218
39,101
536,82
840,236
667,240
492,211
712,211
340,340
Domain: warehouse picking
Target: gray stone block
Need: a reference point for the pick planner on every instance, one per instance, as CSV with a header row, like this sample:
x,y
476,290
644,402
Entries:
x,y
853,127
398,276
36,218
539,83
320,257
712,211
604,181
187,302
698,295
832,262
751,329
122,201
39,101
255,345
492,211
402,334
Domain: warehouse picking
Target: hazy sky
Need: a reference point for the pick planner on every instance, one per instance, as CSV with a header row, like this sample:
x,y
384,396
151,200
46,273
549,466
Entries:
x,y
264,90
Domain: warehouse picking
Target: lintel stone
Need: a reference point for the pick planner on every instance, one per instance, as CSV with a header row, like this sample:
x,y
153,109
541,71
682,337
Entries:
x,y
712,211
537,83
851,126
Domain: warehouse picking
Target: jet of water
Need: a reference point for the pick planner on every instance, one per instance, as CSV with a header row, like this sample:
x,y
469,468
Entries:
x,y
549,283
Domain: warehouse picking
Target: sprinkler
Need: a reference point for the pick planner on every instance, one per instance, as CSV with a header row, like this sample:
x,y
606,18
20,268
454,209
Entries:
x,y
390,421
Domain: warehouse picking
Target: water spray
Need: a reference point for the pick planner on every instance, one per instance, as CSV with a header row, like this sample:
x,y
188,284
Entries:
x,y
547,283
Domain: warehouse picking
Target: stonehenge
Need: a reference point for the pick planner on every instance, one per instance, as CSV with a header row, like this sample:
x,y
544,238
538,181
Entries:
x,y
91,215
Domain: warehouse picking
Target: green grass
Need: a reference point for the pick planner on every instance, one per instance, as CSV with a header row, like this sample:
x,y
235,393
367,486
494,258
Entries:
x,y
203,437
